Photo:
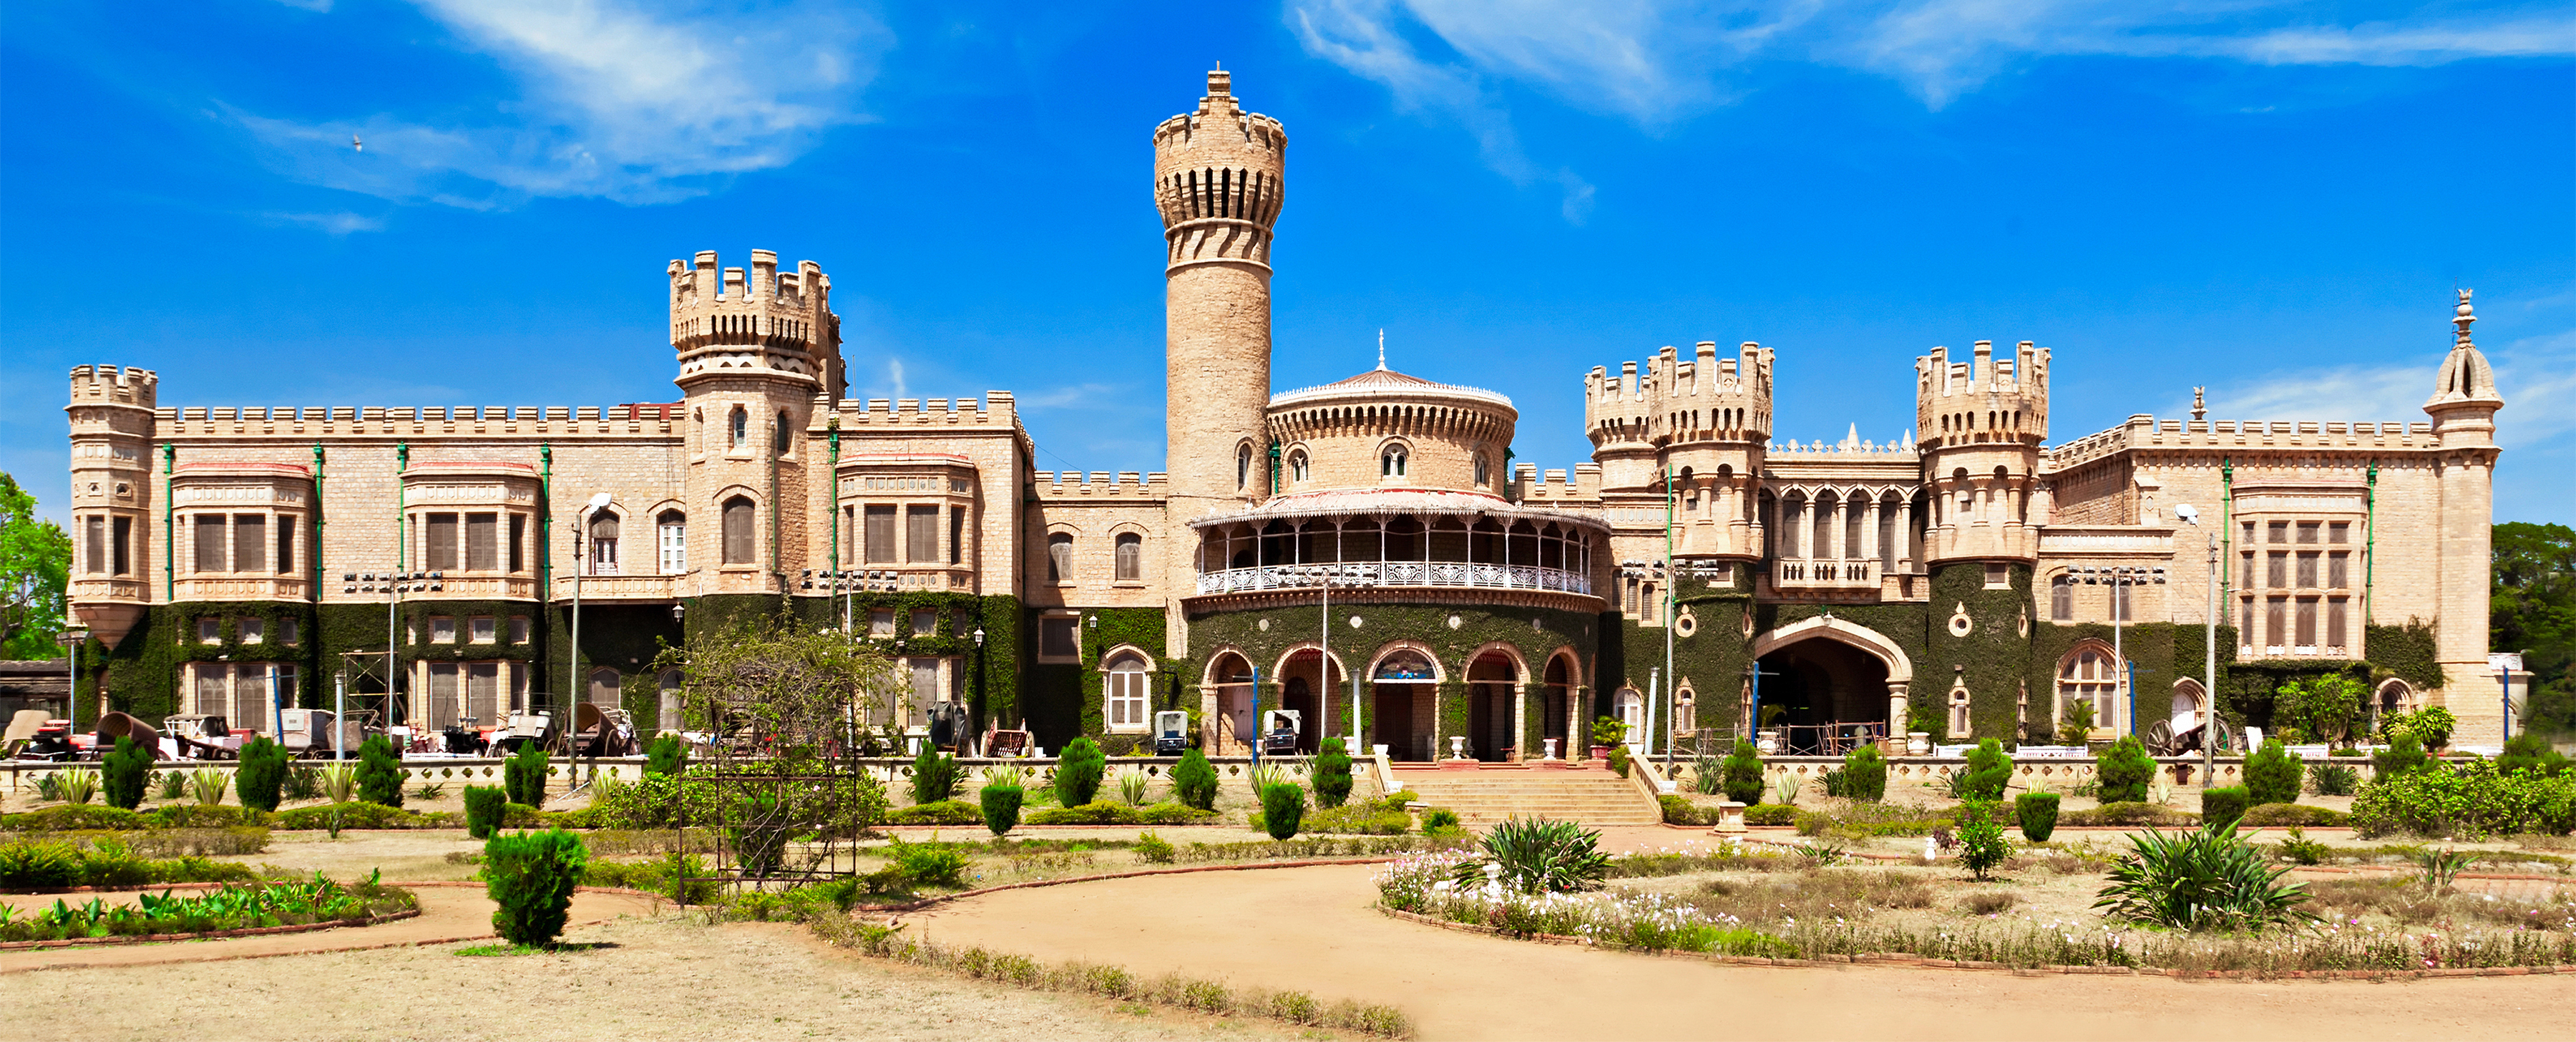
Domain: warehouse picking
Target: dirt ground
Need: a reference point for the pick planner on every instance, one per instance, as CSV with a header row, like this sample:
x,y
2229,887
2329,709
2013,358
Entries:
x,y
651,978
1314,928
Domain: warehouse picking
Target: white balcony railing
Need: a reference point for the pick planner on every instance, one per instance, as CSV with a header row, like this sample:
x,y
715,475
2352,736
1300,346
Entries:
x,y
1396,573
1824,574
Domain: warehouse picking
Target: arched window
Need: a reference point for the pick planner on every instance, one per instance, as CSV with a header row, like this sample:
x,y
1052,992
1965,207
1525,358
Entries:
x,y
1632,713
1483,475
1297,470
604,683
741,424
668,686
2186,704
672,536
1685,710
1126,689
2089,677
1242,467
603,543
1391,463
738,517
2061,598
1406,664
778,434
1959,713
1129,558
1060,558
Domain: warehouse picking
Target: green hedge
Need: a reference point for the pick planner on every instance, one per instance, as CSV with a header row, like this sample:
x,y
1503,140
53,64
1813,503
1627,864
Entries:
x,y
2285,814
1771,814
358,814
2122,815
2467,801
944,812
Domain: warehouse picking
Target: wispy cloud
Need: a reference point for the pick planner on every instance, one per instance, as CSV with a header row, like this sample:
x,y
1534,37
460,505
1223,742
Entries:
x,y
1077,396
332,223
2533,374
1654,61
894,376
618,102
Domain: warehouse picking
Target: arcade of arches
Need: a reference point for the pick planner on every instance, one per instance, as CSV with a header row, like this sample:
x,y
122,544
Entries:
x,y
1401,691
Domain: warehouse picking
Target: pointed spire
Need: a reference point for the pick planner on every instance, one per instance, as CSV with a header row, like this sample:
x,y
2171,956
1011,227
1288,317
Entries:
x,y
1381,349
2460,338
2465,376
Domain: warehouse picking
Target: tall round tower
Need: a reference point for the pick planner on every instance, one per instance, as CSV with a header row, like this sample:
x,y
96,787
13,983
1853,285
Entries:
x,y
1979,427
759,354
1217,182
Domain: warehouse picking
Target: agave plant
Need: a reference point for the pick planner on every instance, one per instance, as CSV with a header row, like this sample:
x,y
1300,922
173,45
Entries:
x,y
1539,855
207,785
1008,775
2440,867
1784,791
76,785
1268,774
2205,880
339,782
1131,786
173,784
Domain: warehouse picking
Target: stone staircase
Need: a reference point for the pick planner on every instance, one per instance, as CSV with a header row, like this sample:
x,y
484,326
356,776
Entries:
x,y
1490,795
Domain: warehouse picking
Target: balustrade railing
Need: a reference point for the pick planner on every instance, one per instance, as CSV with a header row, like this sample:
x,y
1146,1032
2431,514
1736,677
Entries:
x,y
1848,574
1396,573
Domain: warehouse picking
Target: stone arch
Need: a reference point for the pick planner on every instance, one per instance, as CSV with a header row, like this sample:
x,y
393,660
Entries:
x,y
1439,669
1866,641
1520,662
1279,666
1900,669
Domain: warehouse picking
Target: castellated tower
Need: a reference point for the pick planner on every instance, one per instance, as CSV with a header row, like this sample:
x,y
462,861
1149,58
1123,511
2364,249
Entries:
x,y
758,356
1979,425
1702,419
1218,184
2463,408
113,496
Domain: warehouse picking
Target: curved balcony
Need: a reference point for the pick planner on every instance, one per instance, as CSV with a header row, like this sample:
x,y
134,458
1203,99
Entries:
x,y
1396,573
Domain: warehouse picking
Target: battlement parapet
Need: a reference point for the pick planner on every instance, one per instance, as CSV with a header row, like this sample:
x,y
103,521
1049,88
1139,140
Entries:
x,y
998,408
1985,399
109,385
726,319
1852,448
1584,486
1219,180
1125,486
345,420
2143,431
1679,400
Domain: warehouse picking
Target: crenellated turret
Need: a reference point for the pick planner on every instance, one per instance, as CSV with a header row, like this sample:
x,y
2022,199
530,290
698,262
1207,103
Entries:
x,y
1703,420
113,421
726,324
1979,427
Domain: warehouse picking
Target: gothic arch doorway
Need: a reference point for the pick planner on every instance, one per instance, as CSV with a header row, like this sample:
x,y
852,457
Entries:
x,y
1492,681
1827,684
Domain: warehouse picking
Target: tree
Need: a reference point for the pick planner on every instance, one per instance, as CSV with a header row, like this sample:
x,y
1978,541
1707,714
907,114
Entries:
x,y
2325,706
2531,608
35,567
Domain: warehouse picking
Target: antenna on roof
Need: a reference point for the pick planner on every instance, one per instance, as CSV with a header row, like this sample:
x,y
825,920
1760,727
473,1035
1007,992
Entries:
x,y
1381,349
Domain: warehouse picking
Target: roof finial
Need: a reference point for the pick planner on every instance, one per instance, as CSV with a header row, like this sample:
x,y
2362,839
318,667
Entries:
x,y
1381,349
2461,338
2199,403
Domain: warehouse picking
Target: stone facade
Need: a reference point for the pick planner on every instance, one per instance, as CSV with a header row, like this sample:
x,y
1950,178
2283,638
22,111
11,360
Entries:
x,y
1365,545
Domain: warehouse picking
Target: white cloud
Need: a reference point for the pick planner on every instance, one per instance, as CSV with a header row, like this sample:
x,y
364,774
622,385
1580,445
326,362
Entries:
x,y
894,376
616,102
1653,61
332,223
2536,376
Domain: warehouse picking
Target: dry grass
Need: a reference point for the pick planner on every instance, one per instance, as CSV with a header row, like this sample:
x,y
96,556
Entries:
x,y
1820,894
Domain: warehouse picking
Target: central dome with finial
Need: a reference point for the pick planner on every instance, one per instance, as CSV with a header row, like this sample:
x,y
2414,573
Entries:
x,y
1383,429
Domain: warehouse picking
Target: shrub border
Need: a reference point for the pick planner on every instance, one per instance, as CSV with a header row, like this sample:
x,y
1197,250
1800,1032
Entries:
x,y
937,899
205,935
2018,971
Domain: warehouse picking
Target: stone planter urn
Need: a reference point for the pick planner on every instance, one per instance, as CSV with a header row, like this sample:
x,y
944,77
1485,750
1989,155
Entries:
x,y
1918,743
1731,818
1550,745
1766,742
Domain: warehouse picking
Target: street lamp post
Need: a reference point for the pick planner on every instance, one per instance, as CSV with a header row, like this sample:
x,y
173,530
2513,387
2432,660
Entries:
x,y
74,635
2121,577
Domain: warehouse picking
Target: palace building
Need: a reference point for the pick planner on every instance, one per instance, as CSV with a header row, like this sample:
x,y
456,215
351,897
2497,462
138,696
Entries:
x,y
1365,552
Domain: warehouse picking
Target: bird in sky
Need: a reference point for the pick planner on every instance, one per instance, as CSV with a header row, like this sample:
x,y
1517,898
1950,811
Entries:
x,y
356,145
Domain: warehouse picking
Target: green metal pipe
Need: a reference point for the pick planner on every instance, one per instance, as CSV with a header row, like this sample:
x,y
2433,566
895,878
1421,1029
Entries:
x,y
169,525
2369,546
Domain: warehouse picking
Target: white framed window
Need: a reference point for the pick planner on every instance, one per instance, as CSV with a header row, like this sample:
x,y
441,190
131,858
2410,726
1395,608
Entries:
x,y
210,630
250,630
442,629
481,630
881,622
671,534
2088,676
1242,467
603,544
1391,463
924,622
1127,691
1483,474
1060,558
741,425
1298,466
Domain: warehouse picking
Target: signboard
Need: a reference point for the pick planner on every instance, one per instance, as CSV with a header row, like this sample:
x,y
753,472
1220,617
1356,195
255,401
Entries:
x,y
2505,661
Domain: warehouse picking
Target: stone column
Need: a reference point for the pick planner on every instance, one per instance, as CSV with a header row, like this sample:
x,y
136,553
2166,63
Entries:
x,y
1896,710
1869,534
1905,535
1524,745
1207,717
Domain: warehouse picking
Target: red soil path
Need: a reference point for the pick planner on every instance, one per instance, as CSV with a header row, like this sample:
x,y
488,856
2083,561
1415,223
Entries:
x,y
1314,929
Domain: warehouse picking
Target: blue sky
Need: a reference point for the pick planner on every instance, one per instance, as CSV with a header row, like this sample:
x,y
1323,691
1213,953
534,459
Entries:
x,y
2271,199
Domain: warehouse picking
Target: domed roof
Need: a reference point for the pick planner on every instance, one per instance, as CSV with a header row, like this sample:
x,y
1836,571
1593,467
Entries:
x,y
1383,382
